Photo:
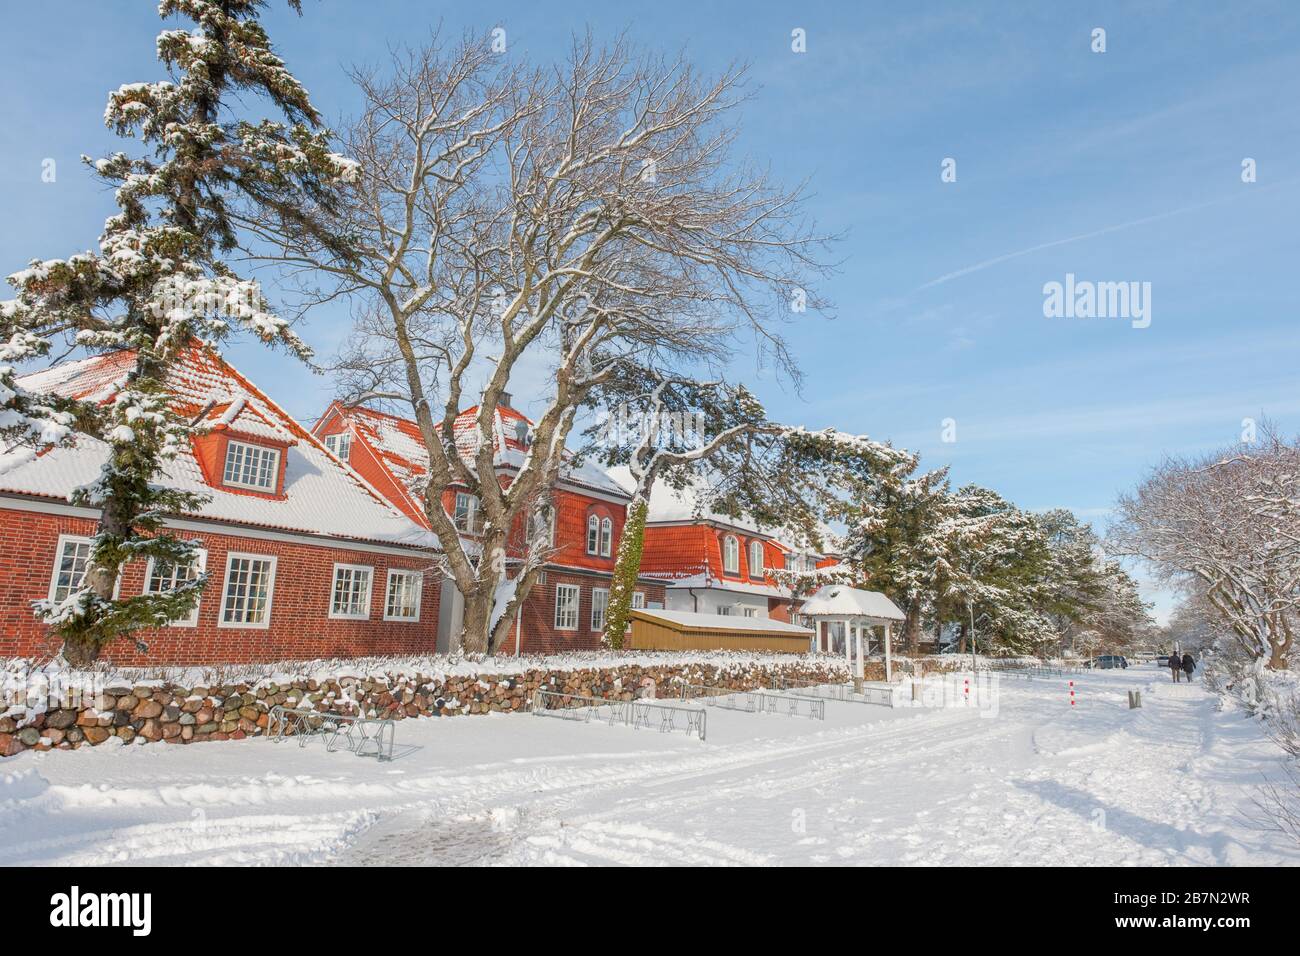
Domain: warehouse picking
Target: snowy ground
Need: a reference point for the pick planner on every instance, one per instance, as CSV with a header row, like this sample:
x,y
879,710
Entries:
x,y
1038,783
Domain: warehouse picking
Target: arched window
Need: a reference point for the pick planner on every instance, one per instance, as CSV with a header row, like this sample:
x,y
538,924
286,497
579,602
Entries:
x,y
756,559
606,537
593,535
730,555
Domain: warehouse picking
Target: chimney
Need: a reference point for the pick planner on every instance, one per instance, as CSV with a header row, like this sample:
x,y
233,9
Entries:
x,y
504,401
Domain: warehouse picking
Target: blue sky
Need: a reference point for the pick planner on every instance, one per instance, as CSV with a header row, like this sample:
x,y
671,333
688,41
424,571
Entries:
x,y
1115,166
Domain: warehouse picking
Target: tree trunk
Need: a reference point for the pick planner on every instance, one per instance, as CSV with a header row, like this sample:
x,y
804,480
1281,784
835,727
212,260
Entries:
x,y
626,568
474,628
912,627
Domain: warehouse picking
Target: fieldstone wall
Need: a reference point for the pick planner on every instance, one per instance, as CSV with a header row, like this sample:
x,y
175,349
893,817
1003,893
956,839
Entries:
x,y
183,715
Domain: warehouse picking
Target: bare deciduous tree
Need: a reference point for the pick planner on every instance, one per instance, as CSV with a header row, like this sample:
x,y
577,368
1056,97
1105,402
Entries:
x,y
1229,524
506,218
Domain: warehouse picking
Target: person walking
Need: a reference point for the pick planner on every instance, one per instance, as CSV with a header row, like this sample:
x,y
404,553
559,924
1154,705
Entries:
x,y
1189,665
1175,666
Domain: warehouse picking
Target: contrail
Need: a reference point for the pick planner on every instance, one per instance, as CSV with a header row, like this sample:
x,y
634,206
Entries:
x,y
1090,235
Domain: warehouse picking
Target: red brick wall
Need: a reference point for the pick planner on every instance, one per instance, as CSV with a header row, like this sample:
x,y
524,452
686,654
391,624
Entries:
x,y
538,633
300,624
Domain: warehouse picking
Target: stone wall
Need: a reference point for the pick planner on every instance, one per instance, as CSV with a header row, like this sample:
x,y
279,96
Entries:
x,y
182,715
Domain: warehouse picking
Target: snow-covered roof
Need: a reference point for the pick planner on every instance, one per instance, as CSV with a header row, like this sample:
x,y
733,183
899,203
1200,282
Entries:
x,y
399,443
702,580
729,622
841,600
322,496
670,505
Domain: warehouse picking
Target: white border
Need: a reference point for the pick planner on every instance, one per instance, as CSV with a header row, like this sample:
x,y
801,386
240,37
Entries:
x,y
275,468
370,590
762,554
601,625
193,620
58,559
577,611
225,592
388,584
725,569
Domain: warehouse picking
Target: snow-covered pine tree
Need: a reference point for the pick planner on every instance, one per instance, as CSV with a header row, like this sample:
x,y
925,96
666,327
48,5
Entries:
x,y
157,285
716,438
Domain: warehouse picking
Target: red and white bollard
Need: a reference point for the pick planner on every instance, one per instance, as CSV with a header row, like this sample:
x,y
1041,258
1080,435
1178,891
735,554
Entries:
x,y
1071,693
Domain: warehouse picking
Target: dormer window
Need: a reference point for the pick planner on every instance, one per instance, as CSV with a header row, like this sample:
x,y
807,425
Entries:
x,y
339,445
466,517
756,559
254,467
730,555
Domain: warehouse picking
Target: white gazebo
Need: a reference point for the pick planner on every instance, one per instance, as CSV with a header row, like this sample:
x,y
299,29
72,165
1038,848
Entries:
x,y
858,611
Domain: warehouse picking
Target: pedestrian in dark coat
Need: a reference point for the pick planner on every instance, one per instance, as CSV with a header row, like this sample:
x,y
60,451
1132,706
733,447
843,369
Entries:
x,y
1175,666
1189,665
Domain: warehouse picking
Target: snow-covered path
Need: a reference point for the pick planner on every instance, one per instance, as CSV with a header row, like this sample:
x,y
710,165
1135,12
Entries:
x,y
1036,783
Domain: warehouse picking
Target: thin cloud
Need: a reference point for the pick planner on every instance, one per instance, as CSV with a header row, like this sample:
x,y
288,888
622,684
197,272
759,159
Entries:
x,y
988,263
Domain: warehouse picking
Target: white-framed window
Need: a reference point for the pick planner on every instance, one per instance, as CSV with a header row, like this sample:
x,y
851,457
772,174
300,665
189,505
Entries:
x,y
599,606
788,560
725,610
340,444
593,535
163,576
402,595
730,555
566,607
606,537
466,516
71,558
749,612
251,466
638,599
756,559
350,595
248,590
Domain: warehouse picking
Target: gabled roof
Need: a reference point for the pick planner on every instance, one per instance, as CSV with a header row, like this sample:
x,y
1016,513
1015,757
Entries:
x,y
398,443
840,600
322,496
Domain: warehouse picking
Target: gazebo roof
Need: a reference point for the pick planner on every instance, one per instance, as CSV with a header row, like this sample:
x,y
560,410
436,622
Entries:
x,y
838,600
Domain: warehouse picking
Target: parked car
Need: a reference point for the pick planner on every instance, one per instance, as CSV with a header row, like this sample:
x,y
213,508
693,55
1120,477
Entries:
x,y
1108,662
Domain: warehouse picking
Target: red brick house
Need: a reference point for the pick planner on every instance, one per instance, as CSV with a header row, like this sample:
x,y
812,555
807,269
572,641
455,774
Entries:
x,y
712,563
566,608
304,557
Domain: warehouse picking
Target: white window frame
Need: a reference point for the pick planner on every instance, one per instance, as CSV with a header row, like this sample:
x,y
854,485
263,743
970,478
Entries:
x,y
471,512
388,591
334,586
250,486
231,557
593,534
604,611
749,611
730,554
724,610
201,560
756,567
638,600
577,606
339,445
64,541
606,537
